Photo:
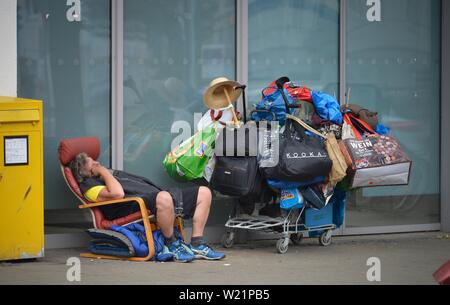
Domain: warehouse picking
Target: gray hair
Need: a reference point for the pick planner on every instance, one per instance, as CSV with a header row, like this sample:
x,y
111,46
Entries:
x,y
77,164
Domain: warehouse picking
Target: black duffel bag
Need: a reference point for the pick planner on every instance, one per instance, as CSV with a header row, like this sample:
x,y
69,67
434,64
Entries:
x,y
236,176
301,157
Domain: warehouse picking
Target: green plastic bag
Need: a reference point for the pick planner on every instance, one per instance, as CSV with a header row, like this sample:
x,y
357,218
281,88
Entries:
x,y
188,160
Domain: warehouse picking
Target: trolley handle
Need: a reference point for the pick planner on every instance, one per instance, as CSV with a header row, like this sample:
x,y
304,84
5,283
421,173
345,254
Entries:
x,y
280,85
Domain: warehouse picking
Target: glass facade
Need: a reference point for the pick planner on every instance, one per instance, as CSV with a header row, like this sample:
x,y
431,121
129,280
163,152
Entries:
x,y
64,59
295,38
393,67
170,56
173,49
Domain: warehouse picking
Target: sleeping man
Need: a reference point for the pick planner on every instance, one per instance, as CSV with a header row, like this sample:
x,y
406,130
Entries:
x,y
98,183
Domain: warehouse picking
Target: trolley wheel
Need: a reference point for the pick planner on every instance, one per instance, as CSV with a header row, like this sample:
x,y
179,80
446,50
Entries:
x,y
326,238
297,238
283,245
228,240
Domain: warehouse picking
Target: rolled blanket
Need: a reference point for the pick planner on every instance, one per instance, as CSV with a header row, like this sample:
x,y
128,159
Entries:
x,y
107,242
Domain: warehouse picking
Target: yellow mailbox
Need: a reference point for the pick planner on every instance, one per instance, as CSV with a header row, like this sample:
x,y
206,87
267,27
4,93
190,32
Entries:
x,y
21,179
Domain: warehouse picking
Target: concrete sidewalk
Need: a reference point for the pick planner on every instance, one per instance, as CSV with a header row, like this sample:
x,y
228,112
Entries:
x,y
405,259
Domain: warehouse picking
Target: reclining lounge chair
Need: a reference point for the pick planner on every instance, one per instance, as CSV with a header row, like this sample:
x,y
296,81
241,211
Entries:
x,y
67,151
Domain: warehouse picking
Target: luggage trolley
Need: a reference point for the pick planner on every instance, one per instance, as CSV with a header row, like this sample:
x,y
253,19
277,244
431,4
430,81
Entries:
x,y
292,226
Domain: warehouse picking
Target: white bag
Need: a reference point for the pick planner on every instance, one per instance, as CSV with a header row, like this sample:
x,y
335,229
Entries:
x,y
223,116
347,132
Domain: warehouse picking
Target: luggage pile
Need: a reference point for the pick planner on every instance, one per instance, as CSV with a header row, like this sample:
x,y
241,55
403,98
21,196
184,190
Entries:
x,y
292,163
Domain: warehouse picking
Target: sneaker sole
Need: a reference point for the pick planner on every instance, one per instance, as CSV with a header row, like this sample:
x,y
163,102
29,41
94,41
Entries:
x,y
198,256
183,261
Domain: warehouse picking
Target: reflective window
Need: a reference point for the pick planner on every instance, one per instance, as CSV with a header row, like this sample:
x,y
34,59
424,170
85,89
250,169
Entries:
x,y
295,38
64,59
393,67
172,50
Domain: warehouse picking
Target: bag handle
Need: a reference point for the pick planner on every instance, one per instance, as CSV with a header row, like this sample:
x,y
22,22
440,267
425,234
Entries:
x,y
244,102
280,85
350,119
176,155
188,145
363,125
215,118
281,81
294,126
289,129
304,125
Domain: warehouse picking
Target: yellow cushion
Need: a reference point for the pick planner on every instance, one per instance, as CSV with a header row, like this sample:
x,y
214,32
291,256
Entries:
x,y
92,193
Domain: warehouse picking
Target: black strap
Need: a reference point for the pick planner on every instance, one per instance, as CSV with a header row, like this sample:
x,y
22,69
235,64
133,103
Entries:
x,y
280,84
281,81
361,128
244,103
293,128
177,197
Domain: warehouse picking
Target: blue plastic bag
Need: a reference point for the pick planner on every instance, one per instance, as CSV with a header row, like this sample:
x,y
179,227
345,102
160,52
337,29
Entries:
x,y
273,102
277,184
327,107
382,130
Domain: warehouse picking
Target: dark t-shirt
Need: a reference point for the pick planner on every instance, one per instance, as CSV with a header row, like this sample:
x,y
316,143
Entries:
x,y
133,186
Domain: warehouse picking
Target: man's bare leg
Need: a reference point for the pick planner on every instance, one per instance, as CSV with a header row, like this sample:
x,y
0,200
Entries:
x,y
198,245
201,214
165,219
165,213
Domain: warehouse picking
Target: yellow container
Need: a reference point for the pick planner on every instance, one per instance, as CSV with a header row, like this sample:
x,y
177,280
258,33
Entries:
x,y
21,179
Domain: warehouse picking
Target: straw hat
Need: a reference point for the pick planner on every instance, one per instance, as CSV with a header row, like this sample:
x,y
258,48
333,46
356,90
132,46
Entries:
x,y
215,97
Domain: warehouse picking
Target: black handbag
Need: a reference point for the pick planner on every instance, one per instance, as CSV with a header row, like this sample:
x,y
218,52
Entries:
x,y
236,176
301,157
238,142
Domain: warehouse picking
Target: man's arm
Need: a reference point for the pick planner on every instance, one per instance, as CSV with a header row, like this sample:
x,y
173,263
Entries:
x,y
113,189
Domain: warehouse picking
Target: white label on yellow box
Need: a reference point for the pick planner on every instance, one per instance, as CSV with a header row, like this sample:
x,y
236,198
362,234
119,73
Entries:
x,y
16,151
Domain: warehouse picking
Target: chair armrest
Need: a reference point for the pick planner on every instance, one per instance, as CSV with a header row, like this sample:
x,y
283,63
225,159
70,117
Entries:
x,y
111,202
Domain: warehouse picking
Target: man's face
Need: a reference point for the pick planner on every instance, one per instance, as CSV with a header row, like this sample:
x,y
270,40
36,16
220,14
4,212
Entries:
x,y
89,165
